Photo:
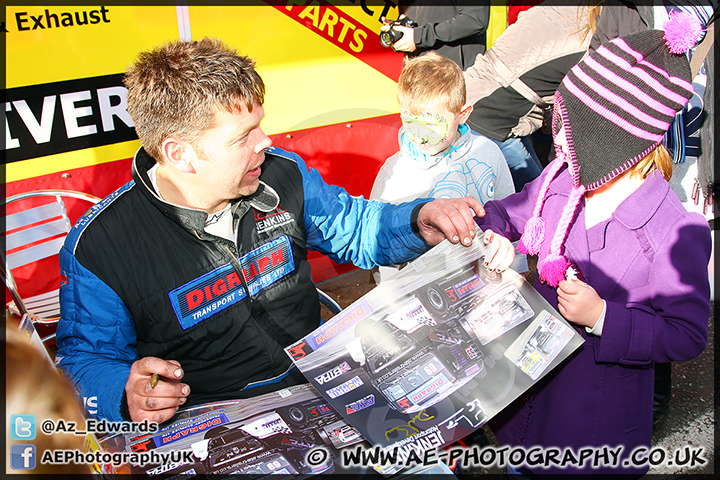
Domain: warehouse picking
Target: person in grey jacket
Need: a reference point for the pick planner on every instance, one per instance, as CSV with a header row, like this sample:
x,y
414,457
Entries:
x,y
455,29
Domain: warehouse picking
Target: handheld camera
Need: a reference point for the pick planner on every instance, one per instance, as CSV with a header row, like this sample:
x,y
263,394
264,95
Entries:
x,y
392,35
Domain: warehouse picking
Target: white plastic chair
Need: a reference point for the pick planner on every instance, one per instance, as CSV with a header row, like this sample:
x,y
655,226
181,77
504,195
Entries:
x,y
32,234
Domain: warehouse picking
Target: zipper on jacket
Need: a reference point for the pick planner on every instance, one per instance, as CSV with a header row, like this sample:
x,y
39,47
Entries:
x,y
233,257
238,268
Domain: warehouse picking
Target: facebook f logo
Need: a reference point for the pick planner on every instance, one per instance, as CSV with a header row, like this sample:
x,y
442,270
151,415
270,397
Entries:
x,y
23,427
23,456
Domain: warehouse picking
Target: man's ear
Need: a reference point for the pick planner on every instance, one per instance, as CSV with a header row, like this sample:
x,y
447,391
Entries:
x,y
179,154
464,114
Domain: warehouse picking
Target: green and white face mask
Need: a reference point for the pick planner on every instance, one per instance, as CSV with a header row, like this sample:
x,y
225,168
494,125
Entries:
x,y
426,130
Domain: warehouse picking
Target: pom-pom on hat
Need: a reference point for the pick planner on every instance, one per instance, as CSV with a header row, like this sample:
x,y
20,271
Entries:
x,y
615,106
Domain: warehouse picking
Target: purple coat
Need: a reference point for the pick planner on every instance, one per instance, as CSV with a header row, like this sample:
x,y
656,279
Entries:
x,y
649,263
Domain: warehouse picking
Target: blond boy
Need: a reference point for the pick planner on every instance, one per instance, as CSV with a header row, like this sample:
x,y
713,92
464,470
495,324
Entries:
x,y
440,156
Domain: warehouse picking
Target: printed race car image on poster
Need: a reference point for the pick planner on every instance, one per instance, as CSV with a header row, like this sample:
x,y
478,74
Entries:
x,y
233,449
269,435
412,373
435,351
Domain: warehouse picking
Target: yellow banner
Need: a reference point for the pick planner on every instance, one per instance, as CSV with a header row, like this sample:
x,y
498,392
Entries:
x,y
321,62
64,72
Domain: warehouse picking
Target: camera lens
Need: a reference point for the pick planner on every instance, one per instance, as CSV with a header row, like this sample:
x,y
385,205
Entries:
x,y
388,38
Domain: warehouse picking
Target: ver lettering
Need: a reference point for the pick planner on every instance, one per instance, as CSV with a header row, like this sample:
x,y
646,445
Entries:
x,y
111,102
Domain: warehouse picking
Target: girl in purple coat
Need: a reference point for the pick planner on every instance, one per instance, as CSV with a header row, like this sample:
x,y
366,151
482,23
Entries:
x,y
619,256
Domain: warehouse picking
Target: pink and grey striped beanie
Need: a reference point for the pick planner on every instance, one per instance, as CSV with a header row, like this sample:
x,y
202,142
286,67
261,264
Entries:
x,y
615,105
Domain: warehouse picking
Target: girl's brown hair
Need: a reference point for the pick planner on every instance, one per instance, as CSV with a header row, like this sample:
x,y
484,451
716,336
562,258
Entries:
x,y
659,158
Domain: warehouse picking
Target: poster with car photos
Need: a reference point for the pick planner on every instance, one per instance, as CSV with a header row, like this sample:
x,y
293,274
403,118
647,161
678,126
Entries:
x,y
269,436
435,351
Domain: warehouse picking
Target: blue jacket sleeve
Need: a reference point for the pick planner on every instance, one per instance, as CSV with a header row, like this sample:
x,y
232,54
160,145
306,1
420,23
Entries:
x,y
352,229
96,337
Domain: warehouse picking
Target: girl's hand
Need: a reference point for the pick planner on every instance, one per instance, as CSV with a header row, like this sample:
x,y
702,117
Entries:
x,y
501,252
579,303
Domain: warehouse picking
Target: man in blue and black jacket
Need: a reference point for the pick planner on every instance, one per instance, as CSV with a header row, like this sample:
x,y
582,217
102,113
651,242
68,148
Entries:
x,y
196,270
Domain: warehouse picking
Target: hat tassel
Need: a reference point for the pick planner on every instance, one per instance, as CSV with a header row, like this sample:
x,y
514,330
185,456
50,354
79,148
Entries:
x,y
533,236
534,232
552,268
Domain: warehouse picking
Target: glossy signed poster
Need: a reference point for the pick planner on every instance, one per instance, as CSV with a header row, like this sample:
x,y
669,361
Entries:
x,y
435,351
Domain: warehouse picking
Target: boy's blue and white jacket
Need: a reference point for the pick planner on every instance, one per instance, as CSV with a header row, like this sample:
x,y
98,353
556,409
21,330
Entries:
x,y
142,278
474,166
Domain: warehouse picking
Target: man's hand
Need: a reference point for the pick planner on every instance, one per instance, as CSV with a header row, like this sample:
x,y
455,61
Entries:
x,y
579,303
156,403
500,254
451,218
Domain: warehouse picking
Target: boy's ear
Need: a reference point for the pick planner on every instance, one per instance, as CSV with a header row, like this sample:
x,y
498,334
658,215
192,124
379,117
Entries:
x,y
464,114
179,154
